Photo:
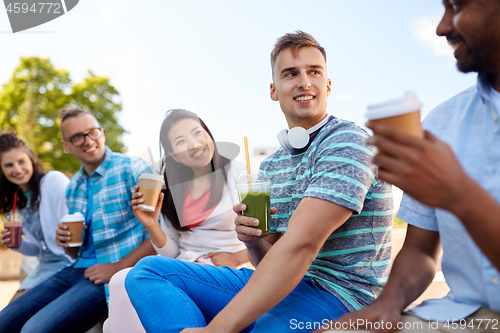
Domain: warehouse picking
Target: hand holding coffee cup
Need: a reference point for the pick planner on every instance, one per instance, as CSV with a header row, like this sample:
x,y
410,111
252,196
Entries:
x,y
150,185
402,114
70,230
147,218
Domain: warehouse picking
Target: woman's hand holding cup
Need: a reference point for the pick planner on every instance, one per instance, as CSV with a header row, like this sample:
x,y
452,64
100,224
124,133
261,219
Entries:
x,y
5,234
148,219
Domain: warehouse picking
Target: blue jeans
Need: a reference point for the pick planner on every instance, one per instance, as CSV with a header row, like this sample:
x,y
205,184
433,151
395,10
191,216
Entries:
x,y
170,295
66,302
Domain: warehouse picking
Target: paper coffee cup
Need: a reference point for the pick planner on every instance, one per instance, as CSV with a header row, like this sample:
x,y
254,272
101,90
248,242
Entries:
x,y
150,185
75,227
402,114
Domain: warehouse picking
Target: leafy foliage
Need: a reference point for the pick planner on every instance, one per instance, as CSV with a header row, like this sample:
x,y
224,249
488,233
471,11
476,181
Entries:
x,y
31,99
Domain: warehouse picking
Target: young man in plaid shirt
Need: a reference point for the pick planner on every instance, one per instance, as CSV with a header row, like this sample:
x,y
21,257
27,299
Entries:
x,y
74,299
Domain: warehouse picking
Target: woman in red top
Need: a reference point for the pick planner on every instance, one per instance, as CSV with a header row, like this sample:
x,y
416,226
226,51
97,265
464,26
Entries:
x,y
195,207
198,197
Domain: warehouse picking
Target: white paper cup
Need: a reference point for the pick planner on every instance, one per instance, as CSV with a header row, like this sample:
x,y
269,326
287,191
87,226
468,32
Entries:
x,y
402,114
75,226
150,185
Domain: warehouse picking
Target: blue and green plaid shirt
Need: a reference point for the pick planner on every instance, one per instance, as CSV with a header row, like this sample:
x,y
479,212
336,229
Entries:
x,y
115,230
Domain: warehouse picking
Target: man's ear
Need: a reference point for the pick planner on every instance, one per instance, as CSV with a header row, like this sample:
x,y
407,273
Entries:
x,y
274,95
329,87
63,144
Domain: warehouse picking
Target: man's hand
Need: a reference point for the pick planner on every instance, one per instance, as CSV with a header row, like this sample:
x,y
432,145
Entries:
x,y
245,226
256,244
426,169
63,235
102,273
371,314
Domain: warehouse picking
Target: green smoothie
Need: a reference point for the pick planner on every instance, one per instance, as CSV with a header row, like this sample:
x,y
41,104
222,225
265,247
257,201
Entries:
x,y
259,207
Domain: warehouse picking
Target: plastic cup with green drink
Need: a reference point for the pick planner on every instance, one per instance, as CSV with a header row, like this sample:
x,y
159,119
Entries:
x,y
254,192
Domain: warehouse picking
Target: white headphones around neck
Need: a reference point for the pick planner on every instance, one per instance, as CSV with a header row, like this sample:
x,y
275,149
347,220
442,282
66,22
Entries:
x,y
298,137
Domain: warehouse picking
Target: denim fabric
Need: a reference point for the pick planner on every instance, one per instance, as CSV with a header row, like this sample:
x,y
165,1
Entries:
x,y
49,263
170,295
66,302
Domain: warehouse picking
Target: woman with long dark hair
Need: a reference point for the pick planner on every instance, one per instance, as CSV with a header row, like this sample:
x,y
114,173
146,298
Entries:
x,y
196,177
195,208
41,201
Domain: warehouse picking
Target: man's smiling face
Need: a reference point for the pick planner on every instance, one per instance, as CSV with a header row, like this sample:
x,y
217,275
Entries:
x,y
301,86
472,28
91,152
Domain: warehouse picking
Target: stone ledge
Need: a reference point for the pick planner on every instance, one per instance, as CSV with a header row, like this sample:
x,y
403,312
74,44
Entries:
x,y
10,264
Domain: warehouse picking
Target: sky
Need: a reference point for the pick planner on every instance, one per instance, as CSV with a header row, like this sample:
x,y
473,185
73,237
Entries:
x,y
212,57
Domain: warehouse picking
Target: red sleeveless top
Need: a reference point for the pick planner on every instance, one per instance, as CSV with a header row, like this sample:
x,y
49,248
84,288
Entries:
x,y
193,211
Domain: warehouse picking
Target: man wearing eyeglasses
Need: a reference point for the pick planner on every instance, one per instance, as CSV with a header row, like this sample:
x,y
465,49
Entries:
x,y
74,299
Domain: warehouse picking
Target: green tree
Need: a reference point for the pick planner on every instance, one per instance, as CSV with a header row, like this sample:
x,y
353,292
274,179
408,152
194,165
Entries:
x,y
96,94
31,99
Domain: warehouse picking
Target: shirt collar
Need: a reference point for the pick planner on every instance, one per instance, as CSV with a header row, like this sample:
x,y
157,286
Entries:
x,y
484,86
106,164
101,169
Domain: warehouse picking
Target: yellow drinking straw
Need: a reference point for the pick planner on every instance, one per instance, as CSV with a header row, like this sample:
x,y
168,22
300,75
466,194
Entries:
x,y
248,162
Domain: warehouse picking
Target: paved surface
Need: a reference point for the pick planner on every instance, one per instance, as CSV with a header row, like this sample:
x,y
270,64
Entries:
x,y
7,290
10,268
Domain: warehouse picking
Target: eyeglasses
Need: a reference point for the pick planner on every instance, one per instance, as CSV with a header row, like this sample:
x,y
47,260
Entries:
x,y
79,139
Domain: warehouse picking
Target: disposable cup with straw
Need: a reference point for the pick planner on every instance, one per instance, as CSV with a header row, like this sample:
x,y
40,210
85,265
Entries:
x,y
150,185
14,224
254,191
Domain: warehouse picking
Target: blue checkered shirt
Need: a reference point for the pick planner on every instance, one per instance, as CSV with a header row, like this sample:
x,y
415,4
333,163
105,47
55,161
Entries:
x,y
116,231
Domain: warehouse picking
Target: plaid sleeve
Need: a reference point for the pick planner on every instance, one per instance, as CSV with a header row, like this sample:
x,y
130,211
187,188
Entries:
x,y
139,166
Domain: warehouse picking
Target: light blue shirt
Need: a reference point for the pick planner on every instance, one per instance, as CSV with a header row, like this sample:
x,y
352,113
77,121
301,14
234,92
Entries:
x,y
469,123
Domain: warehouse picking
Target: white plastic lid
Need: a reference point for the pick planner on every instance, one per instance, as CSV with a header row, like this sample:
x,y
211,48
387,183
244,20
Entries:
x,y
259,181
256,176
395,107
76,217
152,176
9,216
